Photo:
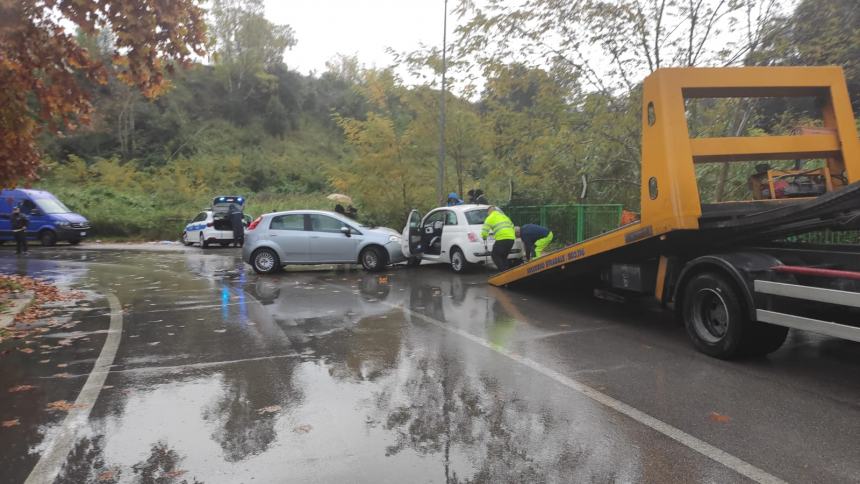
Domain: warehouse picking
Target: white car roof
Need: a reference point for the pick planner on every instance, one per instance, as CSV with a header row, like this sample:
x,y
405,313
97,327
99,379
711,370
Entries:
x,y
462,208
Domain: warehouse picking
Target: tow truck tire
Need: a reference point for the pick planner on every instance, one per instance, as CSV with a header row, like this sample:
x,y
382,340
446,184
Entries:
x,y
714,316
48,238
373,259
265,261
459,264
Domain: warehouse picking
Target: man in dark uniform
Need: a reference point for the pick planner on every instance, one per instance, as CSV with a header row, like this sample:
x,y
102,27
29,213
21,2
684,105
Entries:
x,y
535,238
237,223
19,229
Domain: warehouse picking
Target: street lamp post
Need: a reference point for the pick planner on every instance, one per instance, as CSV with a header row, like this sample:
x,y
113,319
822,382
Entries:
x,y
440,175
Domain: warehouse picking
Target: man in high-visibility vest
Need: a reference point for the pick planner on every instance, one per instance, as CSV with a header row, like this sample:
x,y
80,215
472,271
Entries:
x,y
502,229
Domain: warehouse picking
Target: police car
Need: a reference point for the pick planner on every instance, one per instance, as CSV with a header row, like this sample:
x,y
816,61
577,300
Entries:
x,y
212,225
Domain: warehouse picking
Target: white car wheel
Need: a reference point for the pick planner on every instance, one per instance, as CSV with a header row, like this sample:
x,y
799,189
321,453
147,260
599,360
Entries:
x,y
459,264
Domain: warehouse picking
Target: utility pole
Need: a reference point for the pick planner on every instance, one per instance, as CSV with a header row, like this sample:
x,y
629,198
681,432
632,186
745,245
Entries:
x,y
440,175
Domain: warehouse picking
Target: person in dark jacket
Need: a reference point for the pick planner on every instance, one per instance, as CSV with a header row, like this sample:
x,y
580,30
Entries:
x,y
535,238
19,224
237,223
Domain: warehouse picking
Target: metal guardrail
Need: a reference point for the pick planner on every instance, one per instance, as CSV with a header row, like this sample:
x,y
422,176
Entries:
x,y
571,223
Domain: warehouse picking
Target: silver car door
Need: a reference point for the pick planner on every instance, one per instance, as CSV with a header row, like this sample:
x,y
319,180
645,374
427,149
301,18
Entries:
x,y
329,243
288,231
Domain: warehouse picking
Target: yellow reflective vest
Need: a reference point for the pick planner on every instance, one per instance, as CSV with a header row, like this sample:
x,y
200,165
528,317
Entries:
x,y
500,225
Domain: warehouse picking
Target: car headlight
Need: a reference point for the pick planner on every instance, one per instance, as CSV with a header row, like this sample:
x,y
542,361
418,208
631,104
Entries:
x,y
62,224
394,238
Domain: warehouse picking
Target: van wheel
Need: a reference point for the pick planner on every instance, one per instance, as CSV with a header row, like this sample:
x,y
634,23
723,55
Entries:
x,y
48,238
458,261
265,261
373,259
718,323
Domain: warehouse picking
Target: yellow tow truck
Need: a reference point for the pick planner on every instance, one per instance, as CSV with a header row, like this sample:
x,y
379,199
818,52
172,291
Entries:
x,y
729,269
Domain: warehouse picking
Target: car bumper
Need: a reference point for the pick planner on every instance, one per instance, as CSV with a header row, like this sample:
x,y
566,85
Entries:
x,y
69,233
480,252
395,252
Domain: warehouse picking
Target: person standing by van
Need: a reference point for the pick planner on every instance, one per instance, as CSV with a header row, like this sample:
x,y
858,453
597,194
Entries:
x,y
19,224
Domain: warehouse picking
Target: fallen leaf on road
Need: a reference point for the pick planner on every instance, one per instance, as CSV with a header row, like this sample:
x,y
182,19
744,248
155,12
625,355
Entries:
x,y
107,387
173,474
62,365
64,405
716,417
10,423
61,375
107,475
303,429
44,361
21,388
154,343
220,330
269,409
25,350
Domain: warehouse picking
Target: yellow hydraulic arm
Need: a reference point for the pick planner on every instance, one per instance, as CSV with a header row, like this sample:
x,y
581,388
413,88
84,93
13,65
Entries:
x,y
669,191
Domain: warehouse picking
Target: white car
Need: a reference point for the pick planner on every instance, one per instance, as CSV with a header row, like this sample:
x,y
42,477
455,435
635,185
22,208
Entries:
x,y
205,229
451,235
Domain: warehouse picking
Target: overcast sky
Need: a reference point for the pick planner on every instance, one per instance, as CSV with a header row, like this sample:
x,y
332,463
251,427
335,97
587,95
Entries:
x,y
364,28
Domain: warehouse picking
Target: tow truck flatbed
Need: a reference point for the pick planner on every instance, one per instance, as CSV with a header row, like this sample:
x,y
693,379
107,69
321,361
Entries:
x,y
681,249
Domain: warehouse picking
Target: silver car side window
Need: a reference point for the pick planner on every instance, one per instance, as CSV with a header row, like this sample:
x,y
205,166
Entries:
x,y
288,222
322,223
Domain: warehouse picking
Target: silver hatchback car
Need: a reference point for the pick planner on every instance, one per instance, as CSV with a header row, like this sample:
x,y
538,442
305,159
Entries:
x,y
277,239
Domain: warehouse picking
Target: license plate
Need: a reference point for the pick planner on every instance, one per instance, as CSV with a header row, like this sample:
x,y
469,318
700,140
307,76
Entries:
x,y
83,234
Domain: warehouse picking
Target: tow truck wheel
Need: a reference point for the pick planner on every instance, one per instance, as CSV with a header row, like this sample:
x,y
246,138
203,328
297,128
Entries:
x,y
372,259
459,264
714,316
265,261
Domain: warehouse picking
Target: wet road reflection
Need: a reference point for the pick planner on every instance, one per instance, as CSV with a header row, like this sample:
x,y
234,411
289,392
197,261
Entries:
x,y
224,376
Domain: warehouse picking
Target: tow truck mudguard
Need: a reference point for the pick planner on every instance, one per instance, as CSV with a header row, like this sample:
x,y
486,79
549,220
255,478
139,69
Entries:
x,y
742,267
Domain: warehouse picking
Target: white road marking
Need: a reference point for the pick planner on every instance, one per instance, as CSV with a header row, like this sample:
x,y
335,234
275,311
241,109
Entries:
x,y
188,366
62,442
734,463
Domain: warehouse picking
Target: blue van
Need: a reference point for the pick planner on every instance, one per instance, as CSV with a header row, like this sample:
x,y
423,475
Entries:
x,y
50,220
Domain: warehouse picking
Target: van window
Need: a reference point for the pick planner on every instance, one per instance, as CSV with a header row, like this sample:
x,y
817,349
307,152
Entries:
x,y
294,221
52,205
476,217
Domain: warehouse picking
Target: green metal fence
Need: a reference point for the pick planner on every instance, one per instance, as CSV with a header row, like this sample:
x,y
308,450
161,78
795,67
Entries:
x,y
570,223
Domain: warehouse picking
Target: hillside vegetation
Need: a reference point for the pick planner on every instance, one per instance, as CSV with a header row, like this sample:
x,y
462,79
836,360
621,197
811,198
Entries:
x,y
525,129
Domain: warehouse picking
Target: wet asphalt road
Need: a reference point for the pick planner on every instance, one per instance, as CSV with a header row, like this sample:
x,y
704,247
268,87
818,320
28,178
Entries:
x,y
417,375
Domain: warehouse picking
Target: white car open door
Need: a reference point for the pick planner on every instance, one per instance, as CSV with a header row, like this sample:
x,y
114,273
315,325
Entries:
x,y
410,241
